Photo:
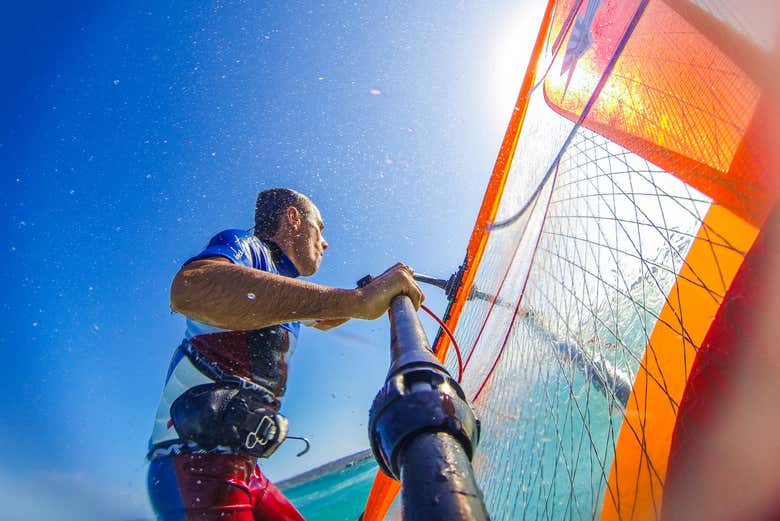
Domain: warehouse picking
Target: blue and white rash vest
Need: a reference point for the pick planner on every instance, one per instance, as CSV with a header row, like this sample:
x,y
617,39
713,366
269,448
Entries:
x,y
258,359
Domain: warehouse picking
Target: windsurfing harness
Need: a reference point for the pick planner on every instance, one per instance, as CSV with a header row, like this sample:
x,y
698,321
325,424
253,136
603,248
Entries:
x,y
227,414
223,388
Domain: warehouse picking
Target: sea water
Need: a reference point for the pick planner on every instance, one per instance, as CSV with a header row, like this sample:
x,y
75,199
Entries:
x,y
336,496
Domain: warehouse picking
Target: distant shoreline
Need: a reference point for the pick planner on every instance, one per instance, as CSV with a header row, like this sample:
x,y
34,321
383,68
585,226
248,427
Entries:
x,y
327,468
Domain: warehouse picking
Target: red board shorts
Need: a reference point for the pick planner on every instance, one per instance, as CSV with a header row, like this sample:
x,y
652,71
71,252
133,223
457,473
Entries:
x,y
205,487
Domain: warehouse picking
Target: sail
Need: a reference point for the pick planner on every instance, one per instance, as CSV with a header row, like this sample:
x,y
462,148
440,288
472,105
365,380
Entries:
x,y
631,206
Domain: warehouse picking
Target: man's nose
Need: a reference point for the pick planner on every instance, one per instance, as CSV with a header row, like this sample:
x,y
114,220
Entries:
x,y
324,245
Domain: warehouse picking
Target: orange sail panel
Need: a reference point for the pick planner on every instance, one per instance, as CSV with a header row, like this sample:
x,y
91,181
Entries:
x,y
636,481
674,98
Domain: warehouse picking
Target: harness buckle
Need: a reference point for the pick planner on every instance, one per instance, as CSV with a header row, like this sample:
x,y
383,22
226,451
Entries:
x,y
264,432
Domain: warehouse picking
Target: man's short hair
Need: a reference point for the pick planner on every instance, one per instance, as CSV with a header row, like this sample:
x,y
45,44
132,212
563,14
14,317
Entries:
x,y
271,206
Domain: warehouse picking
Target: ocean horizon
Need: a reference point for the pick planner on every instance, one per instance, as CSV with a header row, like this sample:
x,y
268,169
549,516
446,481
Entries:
x,y
336,491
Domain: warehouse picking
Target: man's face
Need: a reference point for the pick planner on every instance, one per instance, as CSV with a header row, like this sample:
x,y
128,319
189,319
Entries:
x,y
308,242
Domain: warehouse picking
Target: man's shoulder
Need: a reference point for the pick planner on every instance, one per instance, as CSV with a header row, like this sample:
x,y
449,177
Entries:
x,y
238,246
240,237
256,249
233,234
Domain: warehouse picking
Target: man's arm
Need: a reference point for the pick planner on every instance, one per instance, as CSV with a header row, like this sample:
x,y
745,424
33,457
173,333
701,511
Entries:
x,y
327,325
231,296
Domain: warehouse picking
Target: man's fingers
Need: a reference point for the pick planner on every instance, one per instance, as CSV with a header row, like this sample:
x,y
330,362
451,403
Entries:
x,y
398,266
396,280
415,293
395,267
416,299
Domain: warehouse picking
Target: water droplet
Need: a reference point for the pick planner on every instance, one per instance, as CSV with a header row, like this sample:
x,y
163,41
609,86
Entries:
x,y
116,82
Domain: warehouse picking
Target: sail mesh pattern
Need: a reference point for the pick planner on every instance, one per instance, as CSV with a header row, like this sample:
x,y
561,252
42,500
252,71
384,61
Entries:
x,y
566,298
589,268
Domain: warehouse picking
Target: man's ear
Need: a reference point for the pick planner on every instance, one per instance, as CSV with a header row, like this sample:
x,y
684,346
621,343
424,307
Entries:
x,y
294,217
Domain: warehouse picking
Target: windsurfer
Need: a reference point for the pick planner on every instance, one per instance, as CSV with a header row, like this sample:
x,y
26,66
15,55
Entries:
x,y
244,305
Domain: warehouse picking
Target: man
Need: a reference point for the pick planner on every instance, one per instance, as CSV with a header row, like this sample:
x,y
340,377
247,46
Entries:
x,y
244,305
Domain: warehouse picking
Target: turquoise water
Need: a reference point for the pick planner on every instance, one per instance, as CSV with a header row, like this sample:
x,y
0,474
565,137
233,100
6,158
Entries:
x,y
337,496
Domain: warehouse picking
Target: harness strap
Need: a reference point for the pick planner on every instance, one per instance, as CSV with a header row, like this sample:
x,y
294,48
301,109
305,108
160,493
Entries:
x,y
214,372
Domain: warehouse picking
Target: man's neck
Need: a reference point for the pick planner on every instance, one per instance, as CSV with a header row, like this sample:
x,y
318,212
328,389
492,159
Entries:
x,y
280,257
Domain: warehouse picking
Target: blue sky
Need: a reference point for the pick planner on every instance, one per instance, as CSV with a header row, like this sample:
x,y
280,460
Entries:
x,y
131,134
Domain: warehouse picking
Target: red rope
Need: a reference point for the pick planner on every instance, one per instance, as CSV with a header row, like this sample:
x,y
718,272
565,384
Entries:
x,y
452,338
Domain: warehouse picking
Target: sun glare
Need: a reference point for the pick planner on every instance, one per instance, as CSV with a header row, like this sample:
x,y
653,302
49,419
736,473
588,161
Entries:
x,y
511,49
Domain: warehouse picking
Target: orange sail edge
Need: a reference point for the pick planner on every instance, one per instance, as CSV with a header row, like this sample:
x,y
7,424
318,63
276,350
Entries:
x,y
635,487
495,188
385,489
380,499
